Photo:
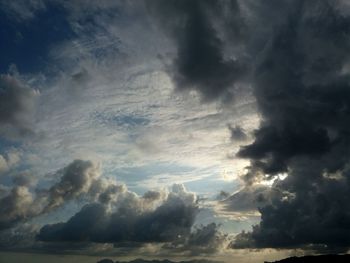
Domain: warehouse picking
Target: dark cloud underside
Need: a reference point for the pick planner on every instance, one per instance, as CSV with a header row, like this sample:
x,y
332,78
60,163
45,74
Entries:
x,y
302,90
93,223
17,106
200,63
130,219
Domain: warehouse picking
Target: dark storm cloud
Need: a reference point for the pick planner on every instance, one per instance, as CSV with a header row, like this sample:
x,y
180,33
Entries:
x,y
131,220
300,87
17,105
156,217
200,63
301,84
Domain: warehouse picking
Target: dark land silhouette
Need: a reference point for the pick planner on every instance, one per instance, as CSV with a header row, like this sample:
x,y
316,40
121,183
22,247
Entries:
x,y
316,259
304,259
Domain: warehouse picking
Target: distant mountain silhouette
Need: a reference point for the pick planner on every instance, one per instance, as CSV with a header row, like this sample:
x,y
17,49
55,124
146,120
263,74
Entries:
x,y
316,259
305,259
139,260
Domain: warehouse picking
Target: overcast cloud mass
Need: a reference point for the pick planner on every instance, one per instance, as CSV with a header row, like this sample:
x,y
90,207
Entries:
x,y
177,129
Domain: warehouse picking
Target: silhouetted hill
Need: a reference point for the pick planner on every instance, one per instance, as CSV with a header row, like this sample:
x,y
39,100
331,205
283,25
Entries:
x,y
139,260
316,259
305,259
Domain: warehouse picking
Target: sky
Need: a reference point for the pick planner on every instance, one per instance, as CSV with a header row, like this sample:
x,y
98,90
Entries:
x,y
177,129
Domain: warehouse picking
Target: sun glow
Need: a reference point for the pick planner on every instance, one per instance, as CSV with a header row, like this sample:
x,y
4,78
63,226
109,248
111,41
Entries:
x,y
278,177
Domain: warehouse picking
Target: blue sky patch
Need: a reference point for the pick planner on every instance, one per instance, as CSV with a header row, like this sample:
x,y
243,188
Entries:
x,y
27,43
